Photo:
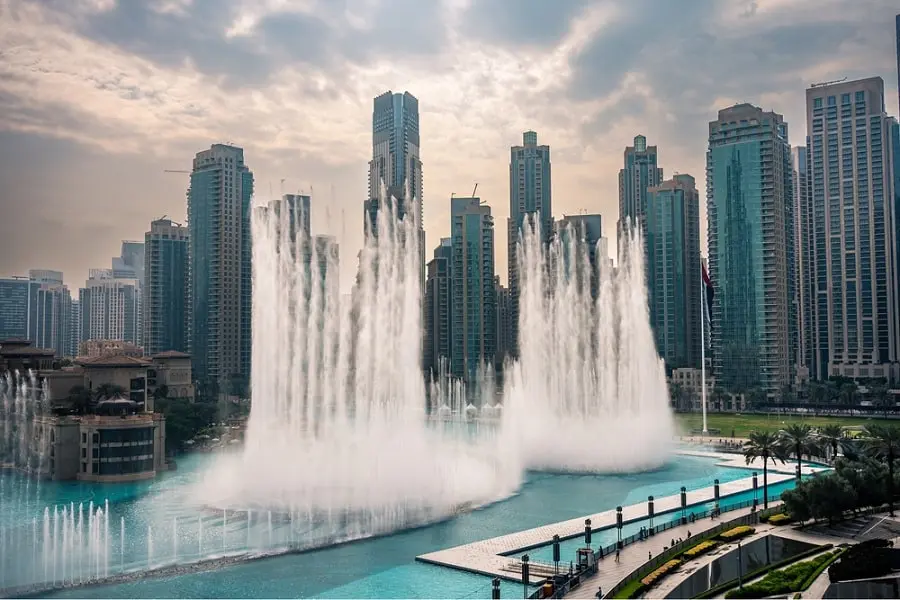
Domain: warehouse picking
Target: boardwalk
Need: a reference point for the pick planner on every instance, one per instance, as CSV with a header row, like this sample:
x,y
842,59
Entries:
x,y
486,557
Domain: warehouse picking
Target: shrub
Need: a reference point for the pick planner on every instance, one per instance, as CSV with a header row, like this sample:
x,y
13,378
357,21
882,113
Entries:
x,y
779,519
736,533
660,572
783,581
701,548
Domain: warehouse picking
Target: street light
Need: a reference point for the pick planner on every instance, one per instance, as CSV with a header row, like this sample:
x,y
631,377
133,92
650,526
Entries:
x,y
740,567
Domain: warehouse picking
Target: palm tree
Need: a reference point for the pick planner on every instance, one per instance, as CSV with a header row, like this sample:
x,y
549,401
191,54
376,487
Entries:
x,y
798,439
831,436
883,442
848,392
767,446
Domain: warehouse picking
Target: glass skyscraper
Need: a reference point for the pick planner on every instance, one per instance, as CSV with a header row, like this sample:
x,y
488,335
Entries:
x,y
853,241
18,308
167,299
529,195
437,308
588,232
221,294
750,216
396,163
640,172
473,325
804,263
672,222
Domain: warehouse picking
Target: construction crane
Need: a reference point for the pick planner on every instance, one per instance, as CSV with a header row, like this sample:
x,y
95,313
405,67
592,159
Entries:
x,y
174,171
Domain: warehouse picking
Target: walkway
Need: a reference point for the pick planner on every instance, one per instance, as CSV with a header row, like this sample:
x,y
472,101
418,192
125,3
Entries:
x,y
633,556
491,557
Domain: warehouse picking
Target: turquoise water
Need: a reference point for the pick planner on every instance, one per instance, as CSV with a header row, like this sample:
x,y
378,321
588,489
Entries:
x,y
386,567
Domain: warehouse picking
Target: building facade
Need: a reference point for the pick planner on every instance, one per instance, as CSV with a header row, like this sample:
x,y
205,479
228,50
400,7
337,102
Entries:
x,y
588,233
437,309
167,288
854,235
530,196
54,319
111,308
18,308
219,227
672,221
473,306
749,198
641,171
504,327
396,166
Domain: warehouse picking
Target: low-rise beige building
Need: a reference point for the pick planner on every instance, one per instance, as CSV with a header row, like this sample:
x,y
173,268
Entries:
x,y
126,372
105,448
173,370
101,348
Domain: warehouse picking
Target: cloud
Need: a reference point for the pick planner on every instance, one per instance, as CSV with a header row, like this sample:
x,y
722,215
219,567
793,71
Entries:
x,y
97,97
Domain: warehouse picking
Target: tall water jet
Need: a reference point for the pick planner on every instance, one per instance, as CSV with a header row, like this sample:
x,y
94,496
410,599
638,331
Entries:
x,y
338,432
588,392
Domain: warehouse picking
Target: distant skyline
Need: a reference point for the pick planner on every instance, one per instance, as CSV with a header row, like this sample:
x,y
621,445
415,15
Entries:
x,y
98,97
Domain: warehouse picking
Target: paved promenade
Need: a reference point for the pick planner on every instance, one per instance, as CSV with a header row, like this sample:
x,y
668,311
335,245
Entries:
x,y
486,557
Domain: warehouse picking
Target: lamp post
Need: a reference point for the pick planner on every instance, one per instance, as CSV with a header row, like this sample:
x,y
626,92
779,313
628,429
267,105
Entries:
x,y
755,486
740,567
650,512
587,532
619,527
556,552
525,573
683,505
495,589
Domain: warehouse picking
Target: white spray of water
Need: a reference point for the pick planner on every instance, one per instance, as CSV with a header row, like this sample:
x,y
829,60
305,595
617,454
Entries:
x,y
338,430
588,392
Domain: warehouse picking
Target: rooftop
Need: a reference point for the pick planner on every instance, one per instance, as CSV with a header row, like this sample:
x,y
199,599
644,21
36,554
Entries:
x,y
119,360
171,354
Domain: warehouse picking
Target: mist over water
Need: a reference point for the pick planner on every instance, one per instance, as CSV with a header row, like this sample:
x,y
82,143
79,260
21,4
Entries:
x,y
588,392
338,430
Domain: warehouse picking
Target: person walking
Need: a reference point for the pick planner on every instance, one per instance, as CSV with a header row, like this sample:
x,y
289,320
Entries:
x,y
617,555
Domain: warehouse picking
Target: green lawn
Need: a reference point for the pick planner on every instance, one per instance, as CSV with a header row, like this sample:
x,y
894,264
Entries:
x,y
744,424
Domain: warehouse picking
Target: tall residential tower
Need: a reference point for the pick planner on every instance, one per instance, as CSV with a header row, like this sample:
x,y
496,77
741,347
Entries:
x,y
855,294
219,228
641,171
167,298
473,306
750,210
529,196
672,221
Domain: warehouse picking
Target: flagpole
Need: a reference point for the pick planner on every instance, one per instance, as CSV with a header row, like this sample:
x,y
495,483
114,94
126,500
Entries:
x,y
703,348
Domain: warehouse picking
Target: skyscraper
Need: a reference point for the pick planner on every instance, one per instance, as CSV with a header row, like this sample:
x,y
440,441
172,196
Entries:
x,y
529,196
167,298
437,309
672,221
588,231
219,226
54,312
110,307
130,265
473,326
396,164
501,293
751,226
855,300
640,172
18,308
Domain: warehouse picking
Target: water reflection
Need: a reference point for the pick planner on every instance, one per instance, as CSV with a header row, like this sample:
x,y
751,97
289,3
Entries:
x,y
753,556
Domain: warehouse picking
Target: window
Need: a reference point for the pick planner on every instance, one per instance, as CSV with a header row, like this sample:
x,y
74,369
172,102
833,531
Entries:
x,y
845,98
817,103
832,101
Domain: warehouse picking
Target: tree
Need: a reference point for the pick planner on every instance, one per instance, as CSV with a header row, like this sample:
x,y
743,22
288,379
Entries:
x,y
764,445
676,393
109,390
798,439
881,396
866,476
883,442
81,399
848,393
831,436
161,392
757,397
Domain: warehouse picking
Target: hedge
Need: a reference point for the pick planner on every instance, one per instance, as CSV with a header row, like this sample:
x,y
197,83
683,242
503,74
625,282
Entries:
x,y
701,548
660,572
784,581
779,519
736,533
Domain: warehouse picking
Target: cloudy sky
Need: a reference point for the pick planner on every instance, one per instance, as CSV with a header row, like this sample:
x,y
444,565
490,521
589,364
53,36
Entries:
x,y
98,97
